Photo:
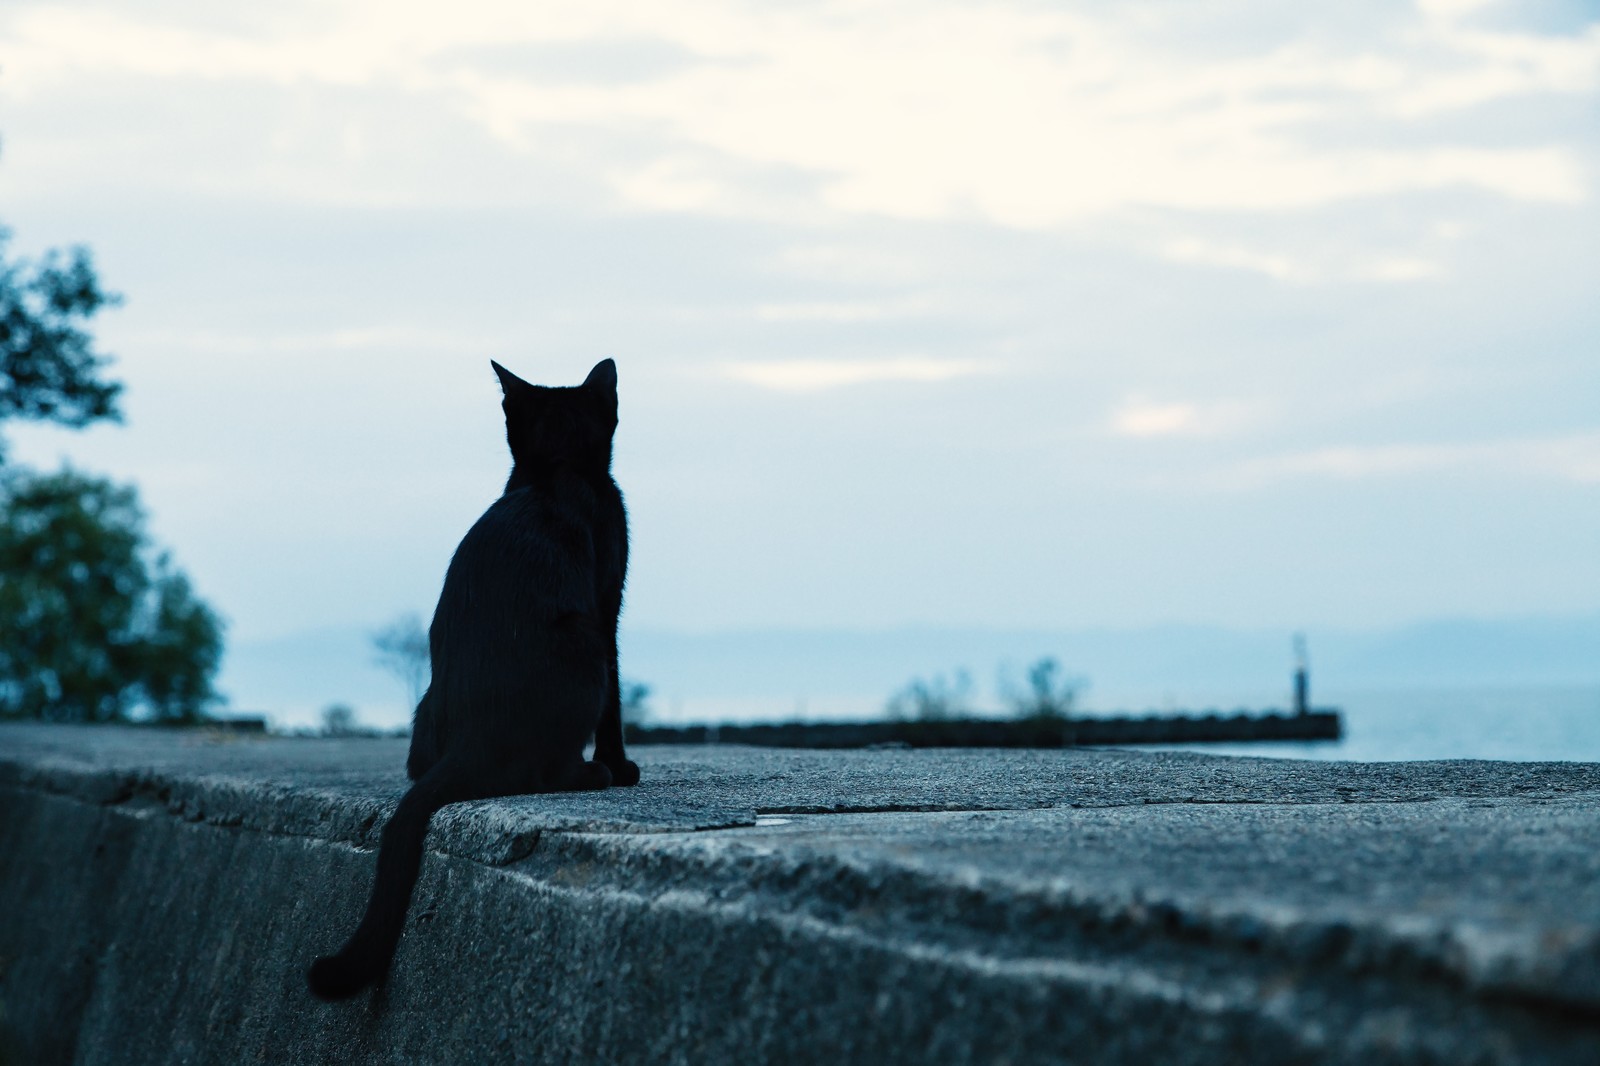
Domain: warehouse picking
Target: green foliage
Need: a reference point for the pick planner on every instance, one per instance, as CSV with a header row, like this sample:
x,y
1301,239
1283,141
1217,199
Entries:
x,y
1045,695
48,366
89,630
92,628
934,700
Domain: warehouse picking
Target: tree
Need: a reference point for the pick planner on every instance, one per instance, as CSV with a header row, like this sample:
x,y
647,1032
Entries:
x,y
48,366
402,648
635,701
1045,697
339,720
935,700
91,628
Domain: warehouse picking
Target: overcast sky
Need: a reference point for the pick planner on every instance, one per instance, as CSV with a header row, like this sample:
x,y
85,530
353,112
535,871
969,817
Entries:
x,y
939,313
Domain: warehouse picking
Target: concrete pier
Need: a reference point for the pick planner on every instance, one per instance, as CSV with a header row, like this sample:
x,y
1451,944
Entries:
x,y
161,893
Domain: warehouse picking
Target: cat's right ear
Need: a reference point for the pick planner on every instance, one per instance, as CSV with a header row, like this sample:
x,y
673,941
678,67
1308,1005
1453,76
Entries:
x,y
510,384
602,377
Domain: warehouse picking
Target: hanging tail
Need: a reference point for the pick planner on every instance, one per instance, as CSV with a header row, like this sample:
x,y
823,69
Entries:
x,y
367,955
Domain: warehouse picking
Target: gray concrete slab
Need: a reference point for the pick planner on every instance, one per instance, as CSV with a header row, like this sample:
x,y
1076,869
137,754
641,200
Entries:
x,y
898,905
701,787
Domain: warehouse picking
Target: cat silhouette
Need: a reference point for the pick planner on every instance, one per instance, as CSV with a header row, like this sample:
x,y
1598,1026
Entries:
x,y
523,646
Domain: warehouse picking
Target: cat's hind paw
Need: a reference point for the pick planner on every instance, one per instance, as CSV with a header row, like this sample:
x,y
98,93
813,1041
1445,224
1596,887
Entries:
x,y
589,777
333,977
624,772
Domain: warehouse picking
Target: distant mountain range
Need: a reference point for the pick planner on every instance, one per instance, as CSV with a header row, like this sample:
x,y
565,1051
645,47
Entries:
x,y
826,673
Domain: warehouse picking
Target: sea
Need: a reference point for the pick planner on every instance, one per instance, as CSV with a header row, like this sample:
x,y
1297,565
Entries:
x,y
1523,724
1522,690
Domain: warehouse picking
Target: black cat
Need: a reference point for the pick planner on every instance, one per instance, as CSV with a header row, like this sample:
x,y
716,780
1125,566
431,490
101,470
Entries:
x,y
524,649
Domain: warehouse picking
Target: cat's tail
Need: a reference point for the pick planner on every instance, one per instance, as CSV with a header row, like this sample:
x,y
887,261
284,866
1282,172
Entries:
x,y
367,955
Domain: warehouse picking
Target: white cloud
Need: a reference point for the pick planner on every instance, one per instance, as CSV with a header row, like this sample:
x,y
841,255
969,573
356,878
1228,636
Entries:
x,y
1450,10
1206,253
1139,417
356,339
1572,458
813,375
841,310
1307,265
673,183
1155,420
1020,116
1400,268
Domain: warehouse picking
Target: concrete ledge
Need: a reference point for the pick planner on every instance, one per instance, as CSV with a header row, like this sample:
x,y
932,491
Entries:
x,y
163,893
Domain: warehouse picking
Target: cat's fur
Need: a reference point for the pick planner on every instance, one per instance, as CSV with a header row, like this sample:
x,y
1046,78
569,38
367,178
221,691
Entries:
x,y
524,649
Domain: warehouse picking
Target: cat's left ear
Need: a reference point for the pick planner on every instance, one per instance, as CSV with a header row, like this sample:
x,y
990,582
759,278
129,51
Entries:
x,y
510,384
602,377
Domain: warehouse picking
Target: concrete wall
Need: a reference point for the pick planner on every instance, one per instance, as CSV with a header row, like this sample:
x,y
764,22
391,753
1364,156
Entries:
x,y
161,897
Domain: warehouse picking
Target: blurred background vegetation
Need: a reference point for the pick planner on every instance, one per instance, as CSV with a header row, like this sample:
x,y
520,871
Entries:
x,y
1043,693
97,623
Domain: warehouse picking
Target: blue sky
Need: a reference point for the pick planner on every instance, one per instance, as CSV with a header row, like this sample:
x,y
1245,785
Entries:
x,y
1015,315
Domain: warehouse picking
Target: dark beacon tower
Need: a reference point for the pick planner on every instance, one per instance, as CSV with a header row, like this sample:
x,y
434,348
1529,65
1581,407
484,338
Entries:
x,y
1302,676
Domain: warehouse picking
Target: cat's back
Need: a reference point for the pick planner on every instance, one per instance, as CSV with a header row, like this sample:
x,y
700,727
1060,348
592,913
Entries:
x,y
532,546
611,540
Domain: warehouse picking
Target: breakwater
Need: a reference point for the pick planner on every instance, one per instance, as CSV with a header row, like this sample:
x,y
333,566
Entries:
x,y
1001,733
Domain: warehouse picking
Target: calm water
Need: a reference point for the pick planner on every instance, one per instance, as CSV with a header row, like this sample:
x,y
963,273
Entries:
x,y
1526,724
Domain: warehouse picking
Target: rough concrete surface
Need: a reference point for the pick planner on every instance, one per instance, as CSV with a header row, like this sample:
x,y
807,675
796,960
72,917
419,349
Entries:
x,y
161,893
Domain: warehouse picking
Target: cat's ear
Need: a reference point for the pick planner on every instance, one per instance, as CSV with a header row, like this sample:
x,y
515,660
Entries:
x,y
602,377
510,384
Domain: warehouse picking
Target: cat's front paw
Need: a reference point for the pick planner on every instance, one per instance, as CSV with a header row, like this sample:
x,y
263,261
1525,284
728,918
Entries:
x,y
624,772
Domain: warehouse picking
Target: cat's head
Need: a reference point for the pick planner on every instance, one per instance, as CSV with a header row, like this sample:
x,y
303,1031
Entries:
x,y
561,424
